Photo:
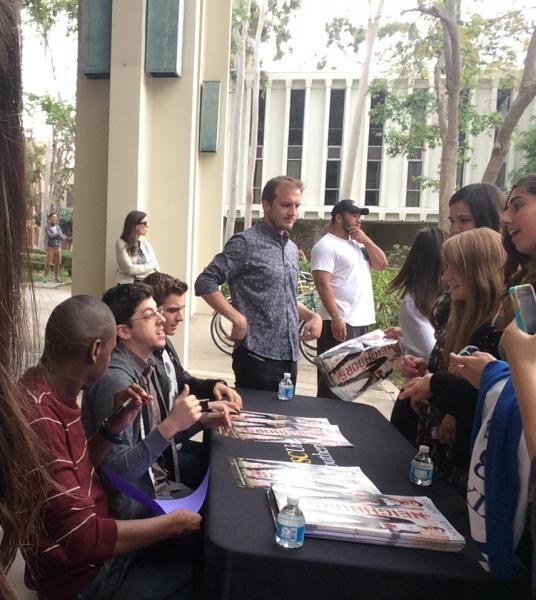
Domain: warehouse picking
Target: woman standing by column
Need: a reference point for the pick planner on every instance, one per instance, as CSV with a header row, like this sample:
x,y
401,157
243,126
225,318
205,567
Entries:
x,y
135,255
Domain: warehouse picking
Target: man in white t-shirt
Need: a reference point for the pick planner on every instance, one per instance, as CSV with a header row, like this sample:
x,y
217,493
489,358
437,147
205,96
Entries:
x,y
341,263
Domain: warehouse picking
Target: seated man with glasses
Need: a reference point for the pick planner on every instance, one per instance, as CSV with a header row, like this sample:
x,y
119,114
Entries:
x,y
144,453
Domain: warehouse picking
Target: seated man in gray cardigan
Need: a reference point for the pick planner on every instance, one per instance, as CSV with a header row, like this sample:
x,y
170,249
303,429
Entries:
x,y
139,452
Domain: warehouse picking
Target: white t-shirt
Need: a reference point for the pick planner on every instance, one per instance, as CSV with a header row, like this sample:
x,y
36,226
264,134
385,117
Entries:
x,y
351,281
417,331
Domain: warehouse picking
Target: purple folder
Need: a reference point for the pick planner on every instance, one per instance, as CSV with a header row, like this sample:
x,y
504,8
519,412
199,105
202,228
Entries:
x,y
192,502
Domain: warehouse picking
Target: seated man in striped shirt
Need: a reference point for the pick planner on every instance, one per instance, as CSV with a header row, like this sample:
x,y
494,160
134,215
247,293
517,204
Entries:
x,y
81,552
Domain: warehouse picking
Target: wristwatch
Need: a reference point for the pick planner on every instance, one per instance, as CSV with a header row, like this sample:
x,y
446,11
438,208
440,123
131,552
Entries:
x,y
336,317
114,438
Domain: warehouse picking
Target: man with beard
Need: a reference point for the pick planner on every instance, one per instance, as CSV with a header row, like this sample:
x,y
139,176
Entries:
x,y
341,261
261,267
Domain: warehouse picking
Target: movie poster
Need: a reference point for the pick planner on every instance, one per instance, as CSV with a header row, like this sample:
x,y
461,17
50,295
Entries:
x,y
267,427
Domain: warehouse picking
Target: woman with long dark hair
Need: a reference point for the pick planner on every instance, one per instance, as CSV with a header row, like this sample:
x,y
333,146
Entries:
x,y
22,490
419,283
475,205
135,255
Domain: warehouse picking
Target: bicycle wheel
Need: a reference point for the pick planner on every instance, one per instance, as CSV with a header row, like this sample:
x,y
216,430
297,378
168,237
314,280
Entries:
x,y
220,329
308,349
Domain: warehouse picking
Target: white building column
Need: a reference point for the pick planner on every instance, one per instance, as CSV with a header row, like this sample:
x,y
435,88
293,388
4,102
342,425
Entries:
x,y
137,148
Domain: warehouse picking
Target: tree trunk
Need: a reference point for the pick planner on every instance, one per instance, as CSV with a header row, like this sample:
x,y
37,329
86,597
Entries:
x,y
527,92
240,63
45,196
252,156
449,137
350,154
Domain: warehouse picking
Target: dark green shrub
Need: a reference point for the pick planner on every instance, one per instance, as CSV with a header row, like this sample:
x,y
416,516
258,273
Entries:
x,y
398,255
65,220
387,303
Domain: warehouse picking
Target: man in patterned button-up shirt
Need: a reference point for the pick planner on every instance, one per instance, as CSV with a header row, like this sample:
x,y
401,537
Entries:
x,y
261,267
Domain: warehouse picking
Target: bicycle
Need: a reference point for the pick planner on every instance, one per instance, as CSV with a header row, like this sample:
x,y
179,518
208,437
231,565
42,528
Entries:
x,y
220,330
307,295
220,327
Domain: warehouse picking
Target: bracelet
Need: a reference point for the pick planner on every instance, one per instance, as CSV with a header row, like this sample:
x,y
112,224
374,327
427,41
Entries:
x,y
336,317
113,438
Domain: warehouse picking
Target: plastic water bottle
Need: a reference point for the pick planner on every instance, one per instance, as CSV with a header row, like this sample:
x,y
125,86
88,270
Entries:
x,y
286,388
421,470
290,525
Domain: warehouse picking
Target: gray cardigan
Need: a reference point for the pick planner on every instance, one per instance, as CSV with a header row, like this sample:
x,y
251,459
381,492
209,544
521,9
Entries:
x,y
132,458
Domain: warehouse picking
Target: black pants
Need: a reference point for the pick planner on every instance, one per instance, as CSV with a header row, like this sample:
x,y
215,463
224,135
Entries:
x,y
327,341
258,373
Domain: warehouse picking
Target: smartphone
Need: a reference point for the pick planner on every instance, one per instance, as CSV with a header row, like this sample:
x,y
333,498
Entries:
x,y
524,305
468,350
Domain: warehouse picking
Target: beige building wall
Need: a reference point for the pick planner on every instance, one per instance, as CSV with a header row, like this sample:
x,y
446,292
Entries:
x,y
137,148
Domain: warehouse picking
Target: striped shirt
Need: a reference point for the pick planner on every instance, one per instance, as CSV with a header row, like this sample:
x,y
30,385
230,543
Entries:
x,y
77,535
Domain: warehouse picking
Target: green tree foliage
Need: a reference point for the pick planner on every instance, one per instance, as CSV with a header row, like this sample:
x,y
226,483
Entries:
x,y
45,13
276,24
387,304
65,220
527,145
60,116
344,35
35,166
488,47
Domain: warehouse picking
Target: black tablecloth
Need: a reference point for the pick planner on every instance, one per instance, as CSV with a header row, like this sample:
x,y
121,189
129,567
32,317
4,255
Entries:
x,y
244,563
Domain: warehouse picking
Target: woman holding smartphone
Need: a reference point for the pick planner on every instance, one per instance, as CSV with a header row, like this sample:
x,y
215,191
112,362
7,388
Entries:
x,y
135,255
519,239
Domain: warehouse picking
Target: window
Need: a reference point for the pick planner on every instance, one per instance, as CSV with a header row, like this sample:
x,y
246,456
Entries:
x,y
374,156
257,177
333,164
295,133
413,183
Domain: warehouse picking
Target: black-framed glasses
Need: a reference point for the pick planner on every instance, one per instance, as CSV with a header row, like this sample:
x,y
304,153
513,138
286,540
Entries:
x,y
151,315
146,223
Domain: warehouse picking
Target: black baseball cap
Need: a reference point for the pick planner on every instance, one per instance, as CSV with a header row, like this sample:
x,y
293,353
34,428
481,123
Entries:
x,y
348,206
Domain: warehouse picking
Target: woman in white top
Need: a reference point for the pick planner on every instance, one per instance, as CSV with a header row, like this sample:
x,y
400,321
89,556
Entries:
x,y
419,282
135,256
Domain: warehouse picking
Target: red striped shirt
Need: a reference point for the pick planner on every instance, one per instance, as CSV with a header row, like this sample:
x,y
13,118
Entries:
x,y
77,535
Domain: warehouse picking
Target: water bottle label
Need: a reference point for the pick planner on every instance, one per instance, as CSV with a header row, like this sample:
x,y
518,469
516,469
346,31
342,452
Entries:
x,y
290,534
424,474
285,393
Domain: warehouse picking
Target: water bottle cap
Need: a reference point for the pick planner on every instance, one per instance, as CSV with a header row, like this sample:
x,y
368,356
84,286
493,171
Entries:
x,y
293,500
424,449
286,374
